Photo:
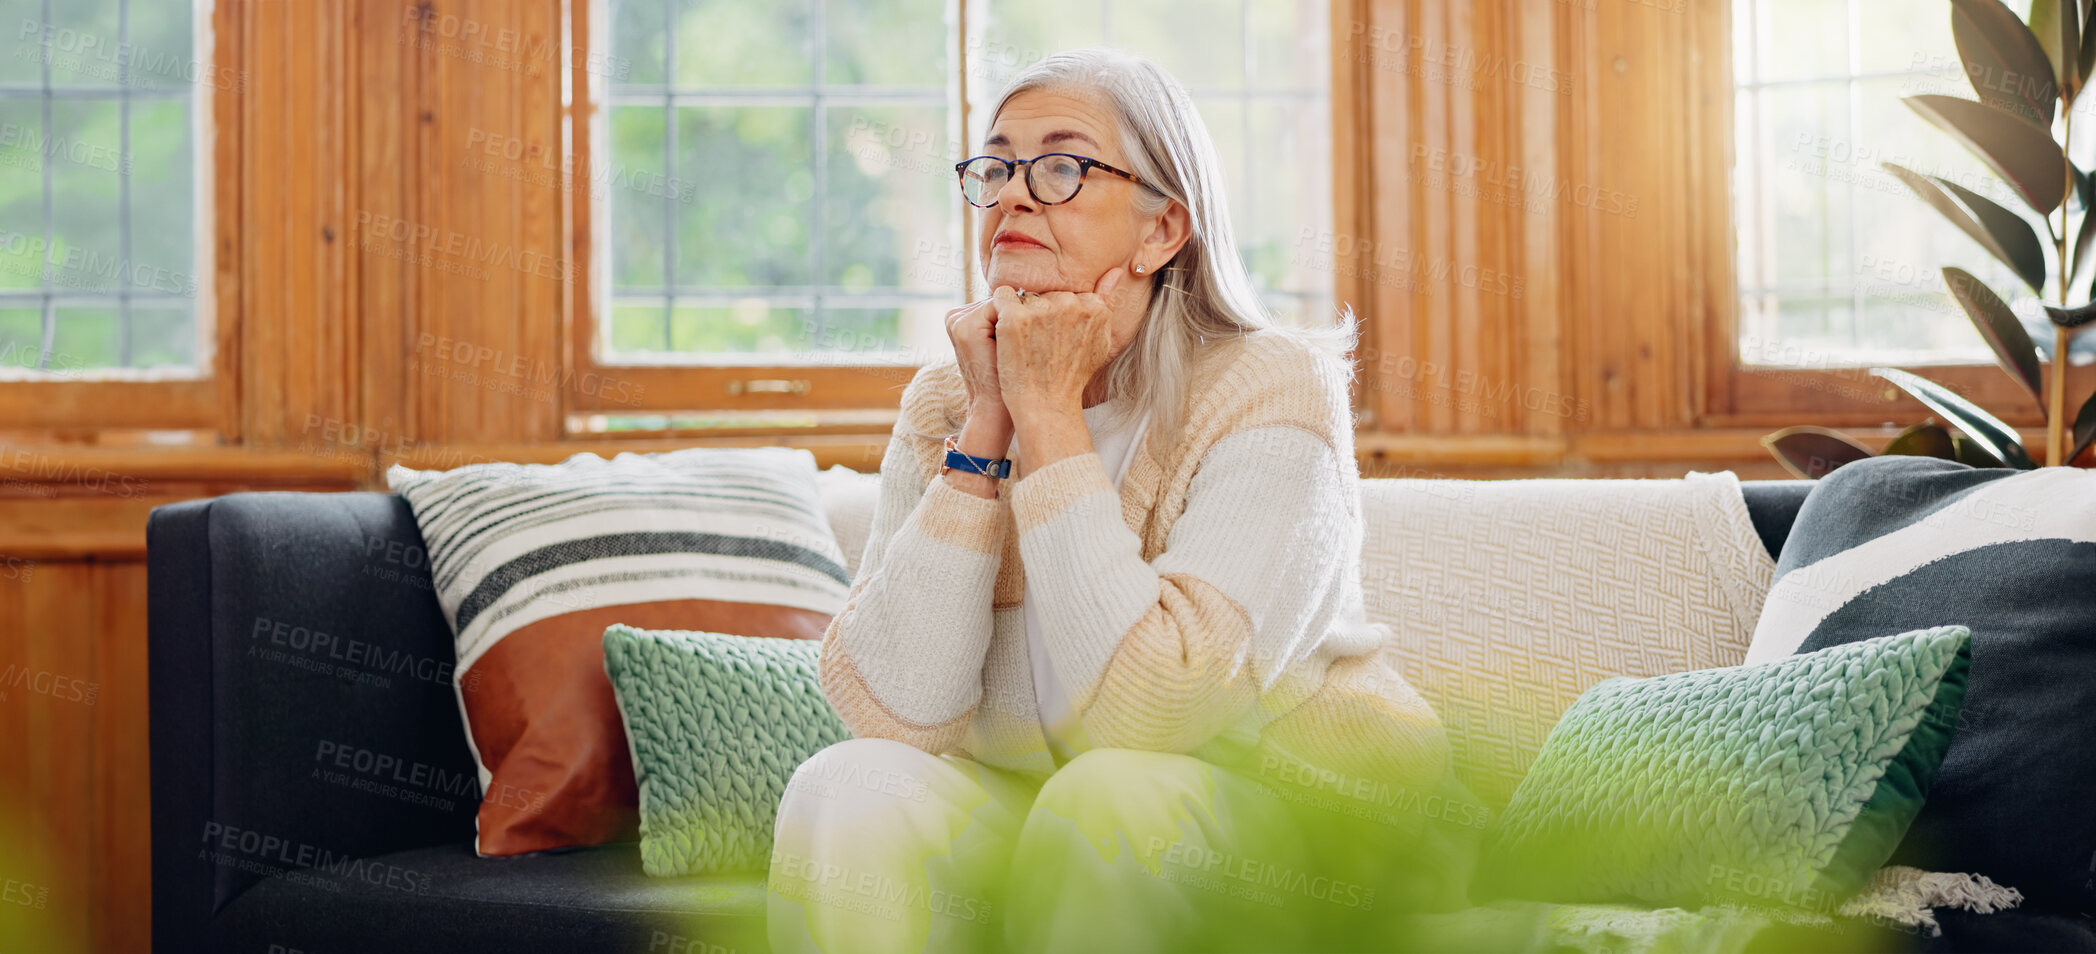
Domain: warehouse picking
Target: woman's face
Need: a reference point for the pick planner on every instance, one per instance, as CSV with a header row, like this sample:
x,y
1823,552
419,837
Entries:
x,y
1068,246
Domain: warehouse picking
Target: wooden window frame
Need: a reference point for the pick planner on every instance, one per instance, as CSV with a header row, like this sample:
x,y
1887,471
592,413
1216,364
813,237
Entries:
x,y
90,401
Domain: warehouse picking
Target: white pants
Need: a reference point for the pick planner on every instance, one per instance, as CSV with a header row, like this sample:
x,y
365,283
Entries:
x,y
880,846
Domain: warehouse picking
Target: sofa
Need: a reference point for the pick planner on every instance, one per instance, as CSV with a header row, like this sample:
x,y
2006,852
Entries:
x,y
312,788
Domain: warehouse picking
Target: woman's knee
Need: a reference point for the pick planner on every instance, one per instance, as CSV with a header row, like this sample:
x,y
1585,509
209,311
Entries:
x,y
1147,800
1102,771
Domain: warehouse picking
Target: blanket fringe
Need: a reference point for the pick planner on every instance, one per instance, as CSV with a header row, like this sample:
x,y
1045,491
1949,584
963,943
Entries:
x,y
1904,896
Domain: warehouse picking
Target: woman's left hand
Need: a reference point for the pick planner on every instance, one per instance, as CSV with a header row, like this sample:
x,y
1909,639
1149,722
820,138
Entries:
x,y
1050,345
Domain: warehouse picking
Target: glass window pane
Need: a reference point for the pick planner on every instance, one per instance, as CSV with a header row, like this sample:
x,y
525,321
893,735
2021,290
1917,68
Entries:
x,y
1292,195
746,327
637,31
639,328
1290,44
162,218
81,43
1018,34
84,157
162,46
161,337
21,337
1803,39
23,21
1199,41
754,174
735,42
892,193
21,193
639,221
895,43
860,330
88,337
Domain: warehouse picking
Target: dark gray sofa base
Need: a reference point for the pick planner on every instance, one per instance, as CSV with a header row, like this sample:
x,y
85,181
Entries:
x,y
312,787
589,899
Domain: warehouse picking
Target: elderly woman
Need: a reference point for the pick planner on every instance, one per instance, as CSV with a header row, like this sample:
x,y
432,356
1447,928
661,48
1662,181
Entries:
x,y
1105,659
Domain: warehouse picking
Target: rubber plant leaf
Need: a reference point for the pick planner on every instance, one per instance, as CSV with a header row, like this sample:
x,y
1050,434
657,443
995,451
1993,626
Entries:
x,y
1998,325
1927,439
2022,152
2084,428
1996,438
2058,28
1813,452
2009,69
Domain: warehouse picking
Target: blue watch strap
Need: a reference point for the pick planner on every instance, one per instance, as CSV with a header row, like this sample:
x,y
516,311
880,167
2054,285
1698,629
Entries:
x,y
999,469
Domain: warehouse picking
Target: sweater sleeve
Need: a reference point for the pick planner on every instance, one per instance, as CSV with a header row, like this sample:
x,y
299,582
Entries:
x,y
1165,655
904,659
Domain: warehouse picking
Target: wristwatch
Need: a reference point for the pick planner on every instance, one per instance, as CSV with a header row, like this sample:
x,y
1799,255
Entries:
x,y
955,460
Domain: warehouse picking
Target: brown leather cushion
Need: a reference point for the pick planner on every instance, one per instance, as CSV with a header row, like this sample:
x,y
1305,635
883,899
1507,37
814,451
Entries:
x,y
543,720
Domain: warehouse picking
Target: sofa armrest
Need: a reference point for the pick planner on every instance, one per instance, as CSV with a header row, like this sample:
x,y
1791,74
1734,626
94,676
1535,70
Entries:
x,y
1772,506
301,698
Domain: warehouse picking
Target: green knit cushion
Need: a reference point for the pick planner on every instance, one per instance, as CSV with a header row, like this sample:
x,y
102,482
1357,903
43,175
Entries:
x,y
1782,784
717,725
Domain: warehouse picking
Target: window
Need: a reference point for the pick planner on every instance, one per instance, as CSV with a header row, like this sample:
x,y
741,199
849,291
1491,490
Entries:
x,y
1839,264
782,185
100,107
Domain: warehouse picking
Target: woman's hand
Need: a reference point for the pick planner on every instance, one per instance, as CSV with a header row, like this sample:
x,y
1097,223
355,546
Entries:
x,y
973,330
1051,345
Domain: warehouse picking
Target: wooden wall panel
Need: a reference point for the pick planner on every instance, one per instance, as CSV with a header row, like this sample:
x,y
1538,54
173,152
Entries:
x,y
491,88
388,153
297,354
120,881
1539,192
72,709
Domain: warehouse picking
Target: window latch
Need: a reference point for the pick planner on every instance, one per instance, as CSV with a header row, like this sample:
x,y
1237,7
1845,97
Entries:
x,y
796,387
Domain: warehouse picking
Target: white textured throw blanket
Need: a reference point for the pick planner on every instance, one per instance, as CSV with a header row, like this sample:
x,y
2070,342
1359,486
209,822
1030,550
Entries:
x,y
1509,599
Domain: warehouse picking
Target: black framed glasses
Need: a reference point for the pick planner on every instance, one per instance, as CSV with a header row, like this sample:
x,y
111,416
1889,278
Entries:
x,y
1052,177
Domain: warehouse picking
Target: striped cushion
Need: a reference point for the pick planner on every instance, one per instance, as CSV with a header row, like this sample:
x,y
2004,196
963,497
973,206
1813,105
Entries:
x,y
531,562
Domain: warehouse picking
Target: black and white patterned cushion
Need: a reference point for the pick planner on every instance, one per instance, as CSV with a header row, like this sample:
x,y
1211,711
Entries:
x,y
1892,544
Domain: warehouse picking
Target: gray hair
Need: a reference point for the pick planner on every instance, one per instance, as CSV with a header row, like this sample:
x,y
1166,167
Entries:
x,y
1204,294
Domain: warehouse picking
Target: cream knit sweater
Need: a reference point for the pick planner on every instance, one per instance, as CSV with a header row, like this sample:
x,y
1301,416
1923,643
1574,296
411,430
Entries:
x,y
1212,606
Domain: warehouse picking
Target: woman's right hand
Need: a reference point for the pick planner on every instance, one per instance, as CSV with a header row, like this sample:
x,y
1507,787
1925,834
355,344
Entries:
x,y
973,329
988,430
